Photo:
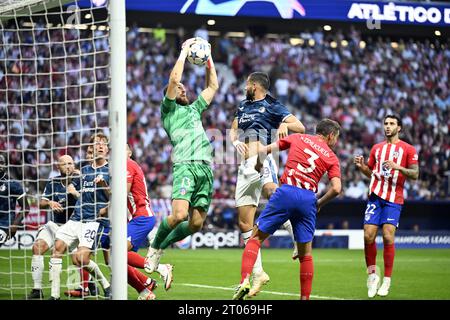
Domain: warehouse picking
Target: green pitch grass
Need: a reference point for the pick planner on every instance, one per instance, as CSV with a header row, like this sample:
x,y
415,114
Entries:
x,y
212,274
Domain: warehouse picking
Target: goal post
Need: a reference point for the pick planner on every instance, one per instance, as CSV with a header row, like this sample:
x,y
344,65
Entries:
x,y
117,121
62,79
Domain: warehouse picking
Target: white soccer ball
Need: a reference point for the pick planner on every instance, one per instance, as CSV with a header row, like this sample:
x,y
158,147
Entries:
x,y
199,52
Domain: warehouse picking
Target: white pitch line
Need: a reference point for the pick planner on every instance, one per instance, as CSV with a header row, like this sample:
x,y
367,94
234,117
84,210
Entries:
x,y
270,292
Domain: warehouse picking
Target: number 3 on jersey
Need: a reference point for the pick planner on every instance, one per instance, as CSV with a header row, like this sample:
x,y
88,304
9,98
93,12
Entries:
x,y
312,164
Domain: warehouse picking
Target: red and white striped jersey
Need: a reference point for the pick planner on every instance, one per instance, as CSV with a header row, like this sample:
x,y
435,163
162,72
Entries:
x,y
308,160
385,183
138,202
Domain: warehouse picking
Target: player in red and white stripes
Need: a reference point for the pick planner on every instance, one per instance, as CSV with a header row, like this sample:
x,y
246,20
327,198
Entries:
x,y
390,163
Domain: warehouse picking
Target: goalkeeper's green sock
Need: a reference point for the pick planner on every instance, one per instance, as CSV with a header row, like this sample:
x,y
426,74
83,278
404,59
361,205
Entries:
x,y
163,231
179,233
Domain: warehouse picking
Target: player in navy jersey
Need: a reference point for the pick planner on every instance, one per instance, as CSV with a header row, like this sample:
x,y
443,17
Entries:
x,y
309,158
259,118
390,163
87,220
11,192
60,196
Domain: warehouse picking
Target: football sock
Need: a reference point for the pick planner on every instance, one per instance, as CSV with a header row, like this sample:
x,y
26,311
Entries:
x,y
306,276
388,255
288,226
37,269
95,271
55,267
370,251
180,232
136,260
84,276
249,257
133,279
142,277
257,268
163,231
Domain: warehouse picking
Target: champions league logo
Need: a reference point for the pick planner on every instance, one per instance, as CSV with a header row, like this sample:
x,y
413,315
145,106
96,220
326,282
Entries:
x,y
285,8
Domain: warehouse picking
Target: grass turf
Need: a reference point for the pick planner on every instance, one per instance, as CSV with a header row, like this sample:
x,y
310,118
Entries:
x,y
207,274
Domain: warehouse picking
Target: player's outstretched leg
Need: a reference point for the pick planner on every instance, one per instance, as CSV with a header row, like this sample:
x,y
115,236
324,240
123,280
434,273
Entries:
x,y
165,271
259,276
249,257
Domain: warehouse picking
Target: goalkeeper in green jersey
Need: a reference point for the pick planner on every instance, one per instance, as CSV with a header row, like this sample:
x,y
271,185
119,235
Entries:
x,y
191,156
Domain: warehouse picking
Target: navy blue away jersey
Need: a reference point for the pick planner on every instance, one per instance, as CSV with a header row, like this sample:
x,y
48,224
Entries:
x,y
259,120
92,197
10,192
55,190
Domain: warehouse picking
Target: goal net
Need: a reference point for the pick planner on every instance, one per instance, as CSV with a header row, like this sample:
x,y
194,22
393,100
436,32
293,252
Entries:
x,y
54,90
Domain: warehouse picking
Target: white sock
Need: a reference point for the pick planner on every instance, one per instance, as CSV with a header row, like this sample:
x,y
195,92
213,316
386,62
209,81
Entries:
x,y
160,269
387,280
257,267
95,271
55,267
37,269
288,226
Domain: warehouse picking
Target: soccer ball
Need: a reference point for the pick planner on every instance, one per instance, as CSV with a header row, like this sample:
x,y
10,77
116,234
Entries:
x,y
199,52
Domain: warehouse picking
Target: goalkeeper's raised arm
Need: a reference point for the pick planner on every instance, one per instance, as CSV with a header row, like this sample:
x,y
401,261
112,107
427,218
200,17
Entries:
x,y
212,83
177,71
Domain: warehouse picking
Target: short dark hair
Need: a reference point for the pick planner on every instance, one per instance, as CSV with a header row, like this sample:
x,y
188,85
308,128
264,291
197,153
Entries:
x,y
327,126
261,78
99,135
393,116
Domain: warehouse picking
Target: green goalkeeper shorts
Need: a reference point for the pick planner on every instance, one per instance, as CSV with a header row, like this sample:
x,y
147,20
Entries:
x,y
193,182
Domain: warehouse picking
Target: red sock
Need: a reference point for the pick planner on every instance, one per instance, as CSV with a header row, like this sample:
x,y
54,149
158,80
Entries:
x,y
388,255
306,276
249,257
142,277
370,250
84,276
133,279
136,260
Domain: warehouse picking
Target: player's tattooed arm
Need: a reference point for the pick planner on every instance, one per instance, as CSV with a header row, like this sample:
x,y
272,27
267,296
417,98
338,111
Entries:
x,y
412,172
332,192
212,84
177,71
240,146
291,123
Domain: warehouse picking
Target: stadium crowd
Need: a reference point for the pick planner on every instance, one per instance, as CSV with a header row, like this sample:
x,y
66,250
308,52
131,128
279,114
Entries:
x,y
332,75
344,77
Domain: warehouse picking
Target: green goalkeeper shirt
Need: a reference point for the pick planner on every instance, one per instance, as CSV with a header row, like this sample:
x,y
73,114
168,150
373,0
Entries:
x,y
183,125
